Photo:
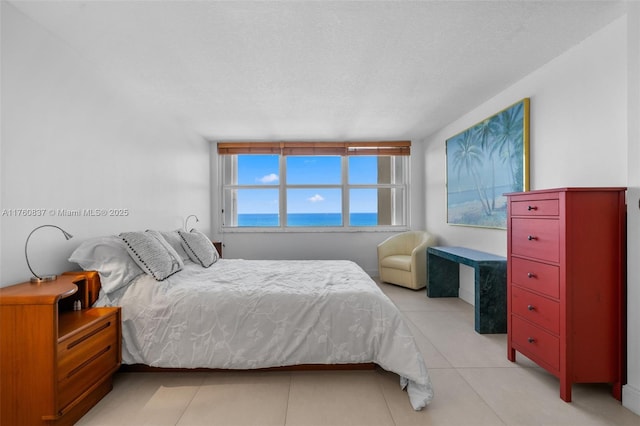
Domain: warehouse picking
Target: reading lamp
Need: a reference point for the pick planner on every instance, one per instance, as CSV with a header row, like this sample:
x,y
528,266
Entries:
x,y
37,278
187,220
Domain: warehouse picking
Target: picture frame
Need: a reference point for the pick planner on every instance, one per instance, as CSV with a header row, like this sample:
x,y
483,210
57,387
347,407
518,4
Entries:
x,y
484,162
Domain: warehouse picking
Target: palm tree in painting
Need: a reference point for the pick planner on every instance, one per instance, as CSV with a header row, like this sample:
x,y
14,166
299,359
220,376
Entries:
x,y
468,158
508,132
484,132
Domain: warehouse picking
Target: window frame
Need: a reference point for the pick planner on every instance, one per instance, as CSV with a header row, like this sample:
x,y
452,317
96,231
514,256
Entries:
x,y
345,187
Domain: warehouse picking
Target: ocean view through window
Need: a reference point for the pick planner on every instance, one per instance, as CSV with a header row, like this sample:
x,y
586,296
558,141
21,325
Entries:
x,y
307,219
278,186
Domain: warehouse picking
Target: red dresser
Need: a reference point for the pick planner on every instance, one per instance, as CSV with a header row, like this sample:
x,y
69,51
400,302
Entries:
x,y
566,283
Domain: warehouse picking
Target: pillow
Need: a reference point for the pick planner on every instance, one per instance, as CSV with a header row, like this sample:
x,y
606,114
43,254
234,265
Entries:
x,y
152,254
199,247
108,255
167,246
174,240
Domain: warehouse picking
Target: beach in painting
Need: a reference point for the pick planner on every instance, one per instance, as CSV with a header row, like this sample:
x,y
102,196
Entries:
x,y
471,212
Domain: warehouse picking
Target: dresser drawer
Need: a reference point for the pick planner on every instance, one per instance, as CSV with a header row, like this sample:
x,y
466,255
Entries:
x,y
537,276
534,342
535,208
536,238
87,357
537,309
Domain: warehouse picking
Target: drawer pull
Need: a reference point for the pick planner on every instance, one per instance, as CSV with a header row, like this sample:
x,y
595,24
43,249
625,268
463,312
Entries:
x,y
531,340
87,336
531,237
531,307
531,275
532,208
88,361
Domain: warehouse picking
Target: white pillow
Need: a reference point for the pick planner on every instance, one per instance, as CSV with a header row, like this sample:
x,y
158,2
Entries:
x,y
152,254
199,247
173,238
108,255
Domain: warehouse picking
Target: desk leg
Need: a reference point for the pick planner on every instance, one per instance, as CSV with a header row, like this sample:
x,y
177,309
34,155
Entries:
x,y
491,298
443,277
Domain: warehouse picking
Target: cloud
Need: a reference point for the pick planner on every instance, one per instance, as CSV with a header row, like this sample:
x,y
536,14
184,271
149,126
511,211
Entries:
x,y
316,198
269,178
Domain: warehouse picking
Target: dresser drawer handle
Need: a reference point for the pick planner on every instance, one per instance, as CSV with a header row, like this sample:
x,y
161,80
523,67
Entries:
x,y
531,340
531,275
531,307
532,208
531,237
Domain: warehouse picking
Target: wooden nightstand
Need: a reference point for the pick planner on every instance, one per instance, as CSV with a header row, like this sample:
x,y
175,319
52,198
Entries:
x,y
218,246
55,363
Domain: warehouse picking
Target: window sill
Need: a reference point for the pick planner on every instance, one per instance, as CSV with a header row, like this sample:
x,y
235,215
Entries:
x,y
311,230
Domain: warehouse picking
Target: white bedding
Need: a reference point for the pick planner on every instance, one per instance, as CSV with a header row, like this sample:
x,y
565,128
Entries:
x,y
246,314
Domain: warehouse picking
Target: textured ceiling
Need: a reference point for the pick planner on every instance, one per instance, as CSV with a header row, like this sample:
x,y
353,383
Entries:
x,y
319,70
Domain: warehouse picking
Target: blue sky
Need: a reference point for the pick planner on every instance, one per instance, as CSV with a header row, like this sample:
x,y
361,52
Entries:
x,y
264,170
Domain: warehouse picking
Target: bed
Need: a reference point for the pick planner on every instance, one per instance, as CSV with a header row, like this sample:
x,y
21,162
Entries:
x,y
207,312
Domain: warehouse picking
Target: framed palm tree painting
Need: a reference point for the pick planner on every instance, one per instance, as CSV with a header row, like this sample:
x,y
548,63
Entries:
x,y
484,162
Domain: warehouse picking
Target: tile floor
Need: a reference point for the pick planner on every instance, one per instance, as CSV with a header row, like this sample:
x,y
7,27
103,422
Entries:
x,y
473,381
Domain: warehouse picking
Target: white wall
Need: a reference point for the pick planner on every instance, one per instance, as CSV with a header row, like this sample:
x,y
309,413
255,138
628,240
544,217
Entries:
x,y
579,137
72,140
578,130
359,247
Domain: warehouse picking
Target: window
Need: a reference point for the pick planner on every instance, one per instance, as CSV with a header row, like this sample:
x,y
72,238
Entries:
x,y
314,185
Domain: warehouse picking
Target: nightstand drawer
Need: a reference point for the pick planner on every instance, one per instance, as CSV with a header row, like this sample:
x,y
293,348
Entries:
x,y
537,309
537,276
86,357
535,343
537,238
535,208
96,368
77,348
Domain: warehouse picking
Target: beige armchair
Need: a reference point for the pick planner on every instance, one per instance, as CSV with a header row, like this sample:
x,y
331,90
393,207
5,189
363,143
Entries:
x,y
402,259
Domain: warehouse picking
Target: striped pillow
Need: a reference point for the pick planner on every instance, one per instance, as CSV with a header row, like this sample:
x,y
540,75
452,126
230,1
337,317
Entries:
x,y
199,248
152,253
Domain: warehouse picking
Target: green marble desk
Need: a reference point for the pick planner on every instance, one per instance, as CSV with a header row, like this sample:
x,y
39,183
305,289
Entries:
x,y
490,283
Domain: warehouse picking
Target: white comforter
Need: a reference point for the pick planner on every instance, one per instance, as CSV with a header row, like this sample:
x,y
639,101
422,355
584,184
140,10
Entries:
x,y
246,314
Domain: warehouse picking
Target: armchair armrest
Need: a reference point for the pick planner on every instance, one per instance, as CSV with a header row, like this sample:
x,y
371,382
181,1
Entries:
x,y
409,268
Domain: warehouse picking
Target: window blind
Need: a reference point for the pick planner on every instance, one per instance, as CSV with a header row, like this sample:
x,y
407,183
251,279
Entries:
x,y
316,148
